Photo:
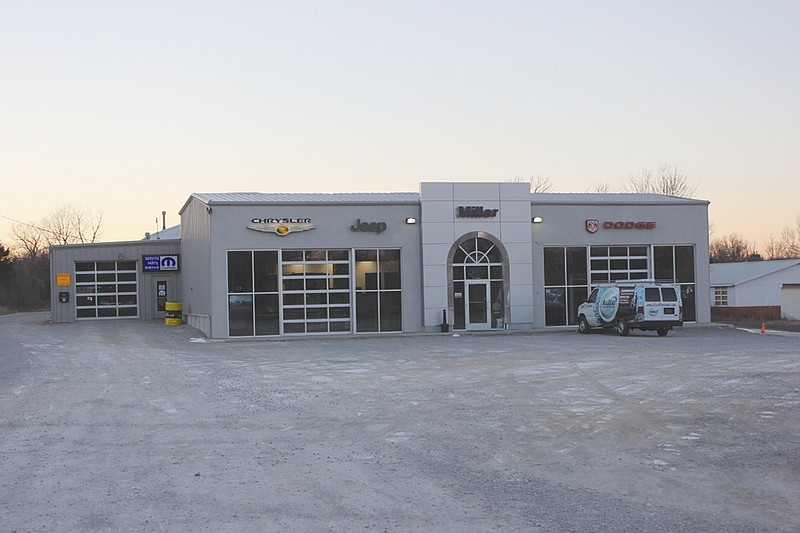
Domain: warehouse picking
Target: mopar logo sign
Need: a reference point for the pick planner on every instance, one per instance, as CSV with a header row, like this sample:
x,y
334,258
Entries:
x,y
161,263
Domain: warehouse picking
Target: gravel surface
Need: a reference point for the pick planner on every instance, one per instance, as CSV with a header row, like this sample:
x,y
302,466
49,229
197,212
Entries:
x,y
134,426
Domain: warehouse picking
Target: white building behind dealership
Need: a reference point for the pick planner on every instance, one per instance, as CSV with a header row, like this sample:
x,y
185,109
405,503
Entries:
x,y
756,289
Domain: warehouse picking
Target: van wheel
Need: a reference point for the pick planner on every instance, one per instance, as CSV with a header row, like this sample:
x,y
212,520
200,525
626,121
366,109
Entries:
x,y
622,327
663,332
583,325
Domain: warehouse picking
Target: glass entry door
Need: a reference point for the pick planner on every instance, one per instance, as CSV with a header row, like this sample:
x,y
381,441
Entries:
x,y
478,270
478,304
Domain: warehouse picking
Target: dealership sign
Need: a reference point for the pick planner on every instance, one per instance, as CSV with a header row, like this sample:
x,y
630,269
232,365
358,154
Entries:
x,y
281,226
376,227
593,225
475,211
161,263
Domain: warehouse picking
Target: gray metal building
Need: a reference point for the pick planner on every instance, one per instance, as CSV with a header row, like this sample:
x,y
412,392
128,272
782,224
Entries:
x,y
475,256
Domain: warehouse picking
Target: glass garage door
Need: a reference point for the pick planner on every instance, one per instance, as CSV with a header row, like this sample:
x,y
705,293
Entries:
x,y
106,289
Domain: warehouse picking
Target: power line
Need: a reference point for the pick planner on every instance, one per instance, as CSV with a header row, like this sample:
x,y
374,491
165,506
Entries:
x,y
25,223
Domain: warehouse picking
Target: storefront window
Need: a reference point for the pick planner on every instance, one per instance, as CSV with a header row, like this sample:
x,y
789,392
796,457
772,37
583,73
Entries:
x,y
663,263
576,266
240,315
684,264
240,272
554,268
267,313
293,291
378,294
253,312
565,274
265,268
675,264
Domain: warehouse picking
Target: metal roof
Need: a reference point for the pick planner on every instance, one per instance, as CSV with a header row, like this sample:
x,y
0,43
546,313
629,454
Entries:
x,y
234,198
412,198
173,232
613,199
730,274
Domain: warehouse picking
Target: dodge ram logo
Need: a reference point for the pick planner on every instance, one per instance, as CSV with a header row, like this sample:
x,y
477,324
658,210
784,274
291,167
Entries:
x,y
592,226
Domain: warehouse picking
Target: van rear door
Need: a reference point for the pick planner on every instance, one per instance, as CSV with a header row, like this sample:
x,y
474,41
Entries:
x,y
670,304
661,303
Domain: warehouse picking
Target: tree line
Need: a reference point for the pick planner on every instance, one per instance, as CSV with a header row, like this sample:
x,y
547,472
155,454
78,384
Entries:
x,y
25,269
734,248
673,181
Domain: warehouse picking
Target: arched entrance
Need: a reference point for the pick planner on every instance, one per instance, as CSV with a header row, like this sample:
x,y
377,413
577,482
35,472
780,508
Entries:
x,y
477,280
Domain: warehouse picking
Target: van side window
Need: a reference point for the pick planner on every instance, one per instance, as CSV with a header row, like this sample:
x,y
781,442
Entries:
x,y
652,294
669,295
592,297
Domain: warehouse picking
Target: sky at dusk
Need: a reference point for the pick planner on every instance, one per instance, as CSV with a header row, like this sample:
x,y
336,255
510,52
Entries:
x,y
126,108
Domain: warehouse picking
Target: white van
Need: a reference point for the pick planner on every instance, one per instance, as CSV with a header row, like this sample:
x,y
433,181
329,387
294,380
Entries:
x,y
632,305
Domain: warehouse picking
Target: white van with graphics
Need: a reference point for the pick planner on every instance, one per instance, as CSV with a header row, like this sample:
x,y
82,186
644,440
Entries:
x,y
630,305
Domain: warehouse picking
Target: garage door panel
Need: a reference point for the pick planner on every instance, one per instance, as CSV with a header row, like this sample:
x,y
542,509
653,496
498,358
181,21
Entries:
x,y
106,289
790,301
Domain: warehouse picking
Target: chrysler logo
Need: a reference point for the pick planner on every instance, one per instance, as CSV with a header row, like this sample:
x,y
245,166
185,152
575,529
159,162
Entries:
x,y
281,226
592,226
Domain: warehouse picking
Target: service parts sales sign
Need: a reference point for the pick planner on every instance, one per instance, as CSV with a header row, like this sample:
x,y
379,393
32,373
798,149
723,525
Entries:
x,y
594,225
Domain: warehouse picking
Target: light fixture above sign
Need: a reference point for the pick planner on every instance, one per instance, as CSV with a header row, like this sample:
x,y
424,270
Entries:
x,y
537,220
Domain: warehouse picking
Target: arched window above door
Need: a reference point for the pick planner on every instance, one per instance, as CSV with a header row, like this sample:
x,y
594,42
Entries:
x,y
477,250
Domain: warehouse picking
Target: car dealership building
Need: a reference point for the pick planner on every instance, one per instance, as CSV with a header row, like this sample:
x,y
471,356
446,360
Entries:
x,y
457,256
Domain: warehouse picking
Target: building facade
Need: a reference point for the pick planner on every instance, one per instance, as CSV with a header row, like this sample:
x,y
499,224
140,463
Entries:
x,y
764,290
456,256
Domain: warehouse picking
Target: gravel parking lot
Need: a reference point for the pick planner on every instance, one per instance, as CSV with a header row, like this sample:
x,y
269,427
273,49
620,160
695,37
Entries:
x,y
135,426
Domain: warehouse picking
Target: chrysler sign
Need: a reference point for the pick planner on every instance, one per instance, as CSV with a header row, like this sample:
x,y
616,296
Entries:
x,y
281,226
593,225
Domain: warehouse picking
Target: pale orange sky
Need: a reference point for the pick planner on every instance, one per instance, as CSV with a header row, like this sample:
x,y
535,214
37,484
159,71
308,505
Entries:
x,y
129,107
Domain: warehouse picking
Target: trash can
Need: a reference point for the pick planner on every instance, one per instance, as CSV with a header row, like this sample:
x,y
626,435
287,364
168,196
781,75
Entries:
x,y
173,314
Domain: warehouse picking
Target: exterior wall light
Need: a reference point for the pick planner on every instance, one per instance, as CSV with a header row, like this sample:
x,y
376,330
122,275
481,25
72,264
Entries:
x,y
411,220
537,220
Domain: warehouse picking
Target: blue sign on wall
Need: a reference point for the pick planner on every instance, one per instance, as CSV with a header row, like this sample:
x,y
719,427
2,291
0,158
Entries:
x,y
161,263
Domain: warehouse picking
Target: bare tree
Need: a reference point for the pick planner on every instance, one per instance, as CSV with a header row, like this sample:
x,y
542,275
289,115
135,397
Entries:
x,y
602,188
667,180
787,246
538,183
64,225
69,225
731,249
541,184
31,241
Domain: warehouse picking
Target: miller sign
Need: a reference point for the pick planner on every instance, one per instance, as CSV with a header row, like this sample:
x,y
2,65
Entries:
x,y
475,211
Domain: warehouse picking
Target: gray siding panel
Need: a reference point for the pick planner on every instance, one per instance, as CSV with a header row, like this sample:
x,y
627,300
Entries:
x,y
64,257
196,272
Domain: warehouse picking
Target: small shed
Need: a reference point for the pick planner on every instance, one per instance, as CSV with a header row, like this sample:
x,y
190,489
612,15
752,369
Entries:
x,y
756,289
